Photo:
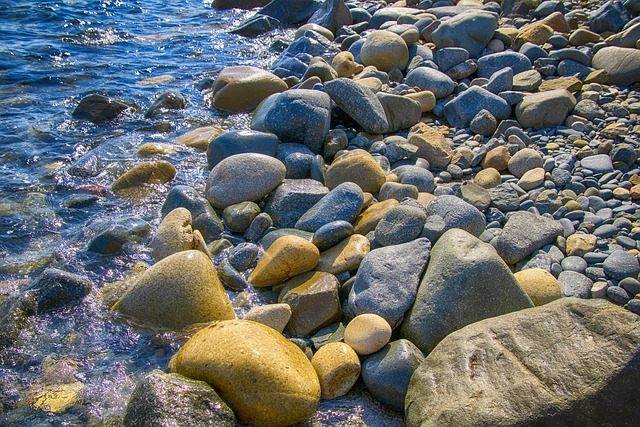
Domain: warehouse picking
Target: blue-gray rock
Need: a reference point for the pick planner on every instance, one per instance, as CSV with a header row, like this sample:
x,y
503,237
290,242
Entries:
x,y
574,284
588,109
342,203
598,164
292,199
387,372
387,14
111,236
610,17
331,234
415,175
621,64
512,8
291,12
500,81
560,177
332,14
524,233
504,197
243,256
574,263
55,289
297,158
624,153
98,109
260,224
204,217
449,57
605,231
572,54
465,282
387,280
631,285
360,103
462,109
471,30
621,264
487,65
457,213
401,224
256,25
573,68
427,78
618,295
532,51
240,141
296,115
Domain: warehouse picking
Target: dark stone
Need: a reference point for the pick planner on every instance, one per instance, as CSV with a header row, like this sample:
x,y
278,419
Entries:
x,y
291,12
204,217
166,101
238,142
401,224
342,203
256,25
333,15
292,199
98,109
360,103
110,238
331,234
621,264
55,289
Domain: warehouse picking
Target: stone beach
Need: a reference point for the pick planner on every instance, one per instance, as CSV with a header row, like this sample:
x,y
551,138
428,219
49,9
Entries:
x,y
436,202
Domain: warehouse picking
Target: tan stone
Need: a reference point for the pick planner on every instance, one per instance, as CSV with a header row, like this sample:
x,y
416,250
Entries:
x,y
425,198
597,76
572,205
338,369
174,234
345,256
531,179
579,244
286,257
275,316
199,138
344,64
539,284
536,33
181,290
582,36
359,167
572,84
314,27
557,22
385,50
463,156
265,378
432,145
158,80
497,158
159,172
367,333
425,98
154,149
57,398
621,194
634,192
373,83
369,218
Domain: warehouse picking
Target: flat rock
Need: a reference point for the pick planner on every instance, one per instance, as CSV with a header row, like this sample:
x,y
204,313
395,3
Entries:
x,y
524,233
360,103
599,163
621,64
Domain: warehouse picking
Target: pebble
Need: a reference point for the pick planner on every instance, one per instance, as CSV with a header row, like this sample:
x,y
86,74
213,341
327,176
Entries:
x,y
621,264
367,333
574,284
338,369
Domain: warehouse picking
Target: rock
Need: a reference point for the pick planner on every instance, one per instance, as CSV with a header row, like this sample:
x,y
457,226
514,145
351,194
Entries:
x,y
166,101
360,103
110,238
532,350
431,144
497,158
483,123
387,372
429,79
297,115
572,84
179,291
500,81
626,38
239,142
286,257
580,244
314,301
292,199
599,163
199,138
151,149
356,166
621,264
159,172
342,203
384,50
173,235
346,256
488,178
266,379
204,217
14,312
545,109
291,12
256,25
57,398
331,234
98,109
621,64
489,64
466,281
539,284
463,108
419,177
524,233
474,194
513,8
588,109
457,213
241,88
367,333
401,112
527,81
401,224
532,179
243,177
523,161
238,4
574,284
275,316
239,217
164,399
369,218
536,33
425,98
610,17
471,30
398,191
344,64
338,369
333,15
55,289
389,289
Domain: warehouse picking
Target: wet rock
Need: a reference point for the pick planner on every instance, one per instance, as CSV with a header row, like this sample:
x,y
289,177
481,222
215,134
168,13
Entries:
x,y
457,213
166,101
266,379
239,217
385,51
204,217
333,15
356,166
367,333
98,109
239,142
238,4
331,234
338,369
285,258
462,109
471,30
159,172
342,203
545,109
256,25
161,399
110,239
360,103
369,218
429,79
173,235
524,233
14,312
292,199
55,289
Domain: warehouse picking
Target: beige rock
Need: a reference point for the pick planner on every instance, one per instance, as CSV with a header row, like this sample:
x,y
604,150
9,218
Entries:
x,y
359,167
159,172
431,144
345,256
497,158
370,217
488,178
535,33
539,284
275,316
265,378
199,138
531,179
385,50
314,27
425,98
174,234
285,258
158,80
344,64
181,290
57,398
200,244
579,244
572,84
367,333
582,36
557,22
621,194
154,149
242,88
373,83
338,369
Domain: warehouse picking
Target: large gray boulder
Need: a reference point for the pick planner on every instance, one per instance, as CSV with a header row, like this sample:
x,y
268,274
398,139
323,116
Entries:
x,y
524,233
569,362
466,281
471,30
621,64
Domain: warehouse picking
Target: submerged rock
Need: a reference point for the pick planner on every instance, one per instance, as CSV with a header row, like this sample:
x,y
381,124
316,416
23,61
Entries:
x,y
98,109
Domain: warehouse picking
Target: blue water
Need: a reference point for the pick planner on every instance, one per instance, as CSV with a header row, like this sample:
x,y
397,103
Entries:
x,y
52,53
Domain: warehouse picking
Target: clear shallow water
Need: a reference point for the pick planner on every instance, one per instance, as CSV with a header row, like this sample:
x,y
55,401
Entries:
x,y
52,53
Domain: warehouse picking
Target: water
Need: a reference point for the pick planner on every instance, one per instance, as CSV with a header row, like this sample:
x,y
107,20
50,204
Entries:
x,y
52,53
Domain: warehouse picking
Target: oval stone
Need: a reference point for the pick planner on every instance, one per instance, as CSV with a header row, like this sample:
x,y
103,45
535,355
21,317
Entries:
x,y
285,258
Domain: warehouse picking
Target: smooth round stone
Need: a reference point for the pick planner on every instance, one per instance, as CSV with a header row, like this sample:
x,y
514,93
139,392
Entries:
x,y
266,379
338,369
385,50
630,284
621,264
243,177
457,214
387,372
539,284
275,316
580,244
599,163
497,158
634,306
242,88
415,175
367,333
618,295
238,217
395,190
574,263
243,255
240,141
523,161
400,225
432,80
342,203
488,178
285,258
574,284
331,234
175,234
159,172
359,167
531,179
605,231
180,290
344,64
345,256
370,217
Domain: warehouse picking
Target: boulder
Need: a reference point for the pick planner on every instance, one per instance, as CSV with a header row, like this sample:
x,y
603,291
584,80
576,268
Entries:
x,y
333,15
545,109
621,64
471,30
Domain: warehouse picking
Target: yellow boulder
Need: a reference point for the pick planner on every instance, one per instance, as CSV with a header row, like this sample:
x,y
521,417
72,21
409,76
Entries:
x,y
286,257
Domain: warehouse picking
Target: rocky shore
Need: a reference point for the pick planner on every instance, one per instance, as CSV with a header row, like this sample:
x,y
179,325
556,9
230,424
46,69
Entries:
x,y
438,201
